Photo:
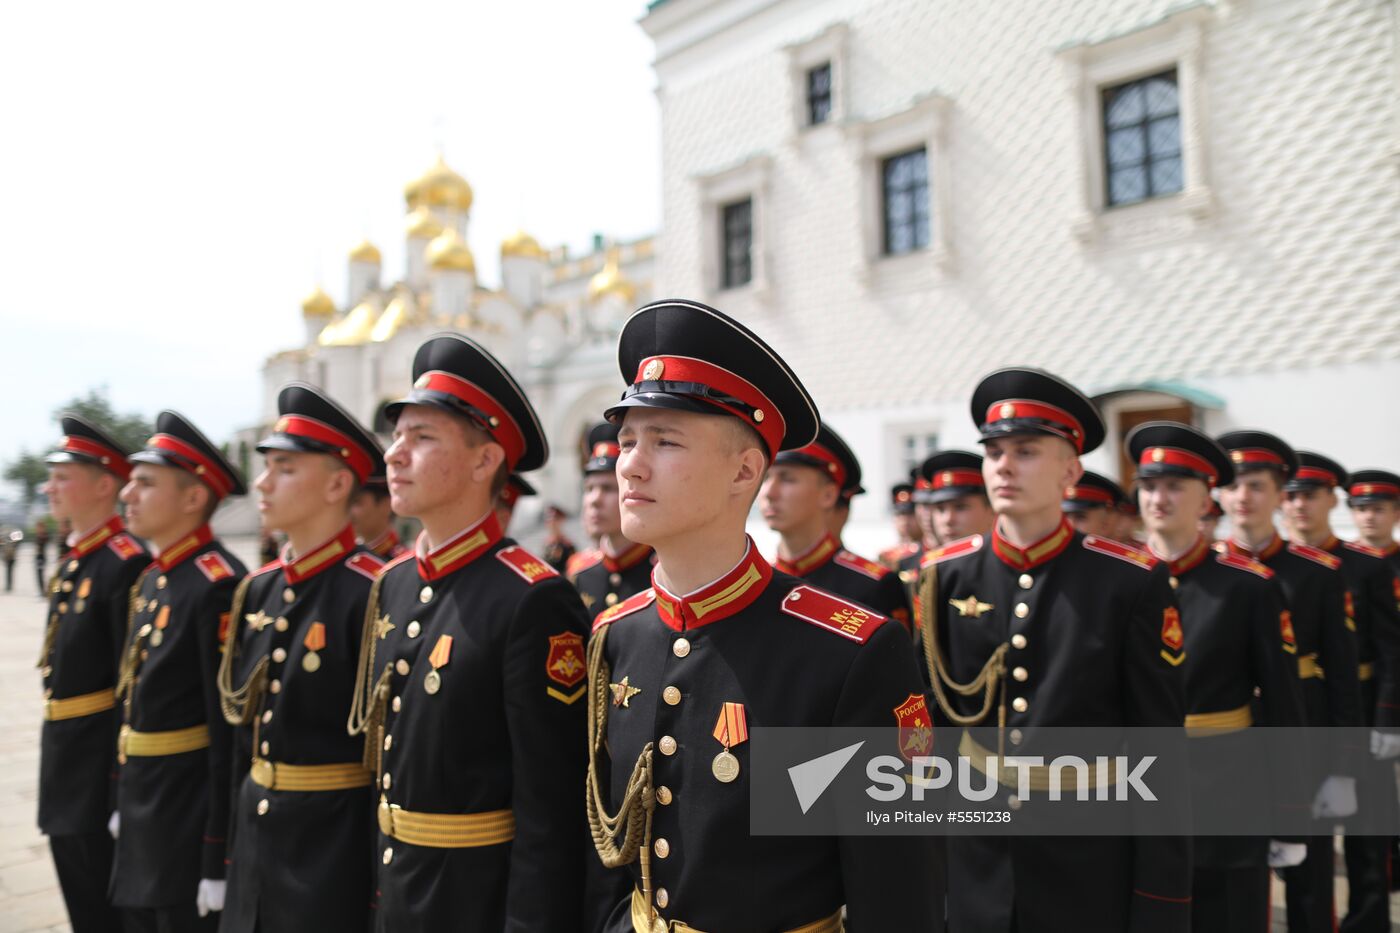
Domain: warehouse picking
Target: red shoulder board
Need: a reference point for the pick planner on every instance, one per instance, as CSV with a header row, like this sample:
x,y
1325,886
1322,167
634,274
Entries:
x,y
1240,562
1366,549
527,566
214,566
365,563
954,549
124,546
1330,561
625,608
1124,552
581,561
860,565
272,565
832,613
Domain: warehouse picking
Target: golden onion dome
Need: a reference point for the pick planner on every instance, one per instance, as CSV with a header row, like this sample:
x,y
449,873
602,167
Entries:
x,y
399,313
610,282
521,243
449,251
351,330
318,304
365,251
422,225
439,186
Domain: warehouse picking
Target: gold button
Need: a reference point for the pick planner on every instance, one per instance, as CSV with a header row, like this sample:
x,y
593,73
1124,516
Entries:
x,y
275,686
1026,581
671,695
663,795
425,594
267,716
388,742
281,624
62,608
67,586
387,781
263,807
1020,704
680,647
266,748
610,599
398,702
414,628
758,415
1015,736
1021,674
1013,802
1022,610
1174,582
661,847
662,897
288,595
388,856
1018,640
667,745
72,566
161,582
279,655
615,579
401,666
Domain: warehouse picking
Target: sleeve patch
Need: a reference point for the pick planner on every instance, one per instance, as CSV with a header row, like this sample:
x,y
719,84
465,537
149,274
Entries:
x,y
860,565
365,564
628,606
223,628
1240,562
832,613
565,665
1285,627
1330,561
1172,635
955,549
915,727
527,566
214,566
580,562
1124,552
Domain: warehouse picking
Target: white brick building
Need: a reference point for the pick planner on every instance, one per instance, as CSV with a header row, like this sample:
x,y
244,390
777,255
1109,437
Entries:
x,y
1257,285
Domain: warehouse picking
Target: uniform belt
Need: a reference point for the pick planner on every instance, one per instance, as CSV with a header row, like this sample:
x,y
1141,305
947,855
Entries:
x,y
446,830
1365,670
642,922
274,775
1230,720
1308,667
99,701
131,743
1008,776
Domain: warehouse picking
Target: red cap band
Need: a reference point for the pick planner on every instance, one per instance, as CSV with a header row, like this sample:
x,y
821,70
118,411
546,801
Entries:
x,y
1317,475
209,472
354,456
765,418
834,468
501,426
1009,409
945,478
1375,489
112,460
1174,456
1089,494
1257,455
604,449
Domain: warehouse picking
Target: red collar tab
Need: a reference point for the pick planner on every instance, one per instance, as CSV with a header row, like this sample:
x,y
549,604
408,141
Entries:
x,y
627,559
817,555
946,478
719,387
385,544
1386,490
1043,551
95,538
209,472
730,594
111,459
1311,474
1190,560
304,568
186,546
461,550
1258,456
491,416
830,463
1267,551
1050,416
1175,456
347,448
1088,494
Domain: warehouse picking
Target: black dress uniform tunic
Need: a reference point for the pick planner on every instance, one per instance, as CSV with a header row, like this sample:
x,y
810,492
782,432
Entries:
x,y
173,795
478,651
302,829
604,581
831,567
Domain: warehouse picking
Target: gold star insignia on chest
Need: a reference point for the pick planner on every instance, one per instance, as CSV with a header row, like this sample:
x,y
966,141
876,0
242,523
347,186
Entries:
x,y
257,621
622,693
588,600
382,627
971,606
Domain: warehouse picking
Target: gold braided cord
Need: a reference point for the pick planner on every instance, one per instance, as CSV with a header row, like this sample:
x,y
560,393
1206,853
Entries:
x,y
239,705
127,675
987,679
51,630
369,701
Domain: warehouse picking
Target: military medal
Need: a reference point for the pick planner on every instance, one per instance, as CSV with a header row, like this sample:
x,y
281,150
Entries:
x,y
732,728
314,641
442,653
162,620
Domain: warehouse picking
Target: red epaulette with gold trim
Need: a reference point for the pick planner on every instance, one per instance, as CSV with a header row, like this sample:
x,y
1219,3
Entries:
x,y
581,561
625,608
832,613
124,546
365,563
860,565
527,566
1366,549
952,549
1316,555
214,566
1124,552
1240,562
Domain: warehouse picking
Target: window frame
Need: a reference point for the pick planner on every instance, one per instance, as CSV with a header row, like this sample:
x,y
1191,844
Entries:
x,y
886,222
827,47
749,180
828,97
1144,126
727,261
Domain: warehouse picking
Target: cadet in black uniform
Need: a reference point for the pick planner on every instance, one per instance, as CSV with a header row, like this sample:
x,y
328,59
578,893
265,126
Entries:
x,y
906,526
957,495
1374,499
80,659
373,519
1232,622
1373,617
288,681
472,672
802,487
1315,595
616,568
1085,628
174,748
1093,506
722,643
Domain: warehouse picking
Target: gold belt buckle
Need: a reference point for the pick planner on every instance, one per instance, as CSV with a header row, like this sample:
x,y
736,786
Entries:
x,y
264,772
121,743
386,817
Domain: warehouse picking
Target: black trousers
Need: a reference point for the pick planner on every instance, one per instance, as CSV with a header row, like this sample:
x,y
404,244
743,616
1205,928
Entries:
x,y
9,576
183,919
1368,881
1310,889
1230,900
84,866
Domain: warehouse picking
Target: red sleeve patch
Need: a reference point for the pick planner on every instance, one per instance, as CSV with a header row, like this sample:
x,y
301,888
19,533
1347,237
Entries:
x,y
1172,635
581,561
832,613
1285,627
628,606
860,565
1124,552
223,628
955,549
1240,562
124,546
1317,556
915,727
365,563
565,666
527,566
214,566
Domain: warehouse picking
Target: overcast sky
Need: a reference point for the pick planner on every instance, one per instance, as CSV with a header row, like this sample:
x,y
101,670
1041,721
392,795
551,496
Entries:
x,y
173,180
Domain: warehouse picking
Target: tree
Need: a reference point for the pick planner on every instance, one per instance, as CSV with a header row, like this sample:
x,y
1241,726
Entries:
x,y
27,471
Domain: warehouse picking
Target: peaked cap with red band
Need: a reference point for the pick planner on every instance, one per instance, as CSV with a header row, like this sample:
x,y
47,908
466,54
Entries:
x,y
683,355
832,456
177,443
1373,486
1032,401
310,422
1259,450
459,375
514,490
1169,448
85,442
949,474
902,498
1316,472
603,449
1093,491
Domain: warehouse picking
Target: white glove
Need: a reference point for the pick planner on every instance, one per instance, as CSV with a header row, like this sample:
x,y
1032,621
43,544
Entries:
x,y
210,896
1335,798
1384,745
1286,854
114,824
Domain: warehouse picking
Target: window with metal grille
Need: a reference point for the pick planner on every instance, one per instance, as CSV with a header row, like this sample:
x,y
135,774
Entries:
x,y
1142,139
736,221
819,94
904,198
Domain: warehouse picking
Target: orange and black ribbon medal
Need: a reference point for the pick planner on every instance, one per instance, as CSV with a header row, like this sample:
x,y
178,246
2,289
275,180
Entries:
x,y
162,620
442,653
314,641
732,728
